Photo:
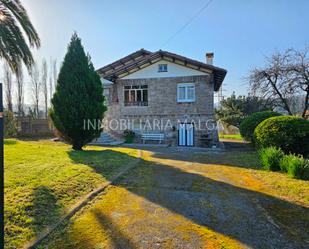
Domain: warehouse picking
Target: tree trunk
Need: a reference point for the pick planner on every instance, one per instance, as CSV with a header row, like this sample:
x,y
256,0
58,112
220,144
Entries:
x,y
285,103
306,105
77,147
46,109
37,109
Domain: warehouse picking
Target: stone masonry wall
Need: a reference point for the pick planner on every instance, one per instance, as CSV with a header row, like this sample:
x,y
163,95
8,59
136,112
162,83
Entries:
x,y
163,106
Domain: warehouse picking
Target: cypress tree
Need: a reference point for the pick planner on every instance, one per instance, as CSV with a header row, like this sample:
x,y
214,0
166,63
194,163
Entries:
x,y
78,97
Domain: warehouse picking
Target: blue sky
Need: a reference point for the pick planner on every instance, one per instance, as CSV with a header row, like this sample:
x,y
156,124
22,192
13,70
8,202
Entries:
x,y
240,33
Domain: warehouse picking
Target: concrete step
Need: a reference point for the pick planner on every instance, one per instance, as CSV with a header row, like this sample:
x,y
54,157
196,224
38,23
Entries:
x,y
106,139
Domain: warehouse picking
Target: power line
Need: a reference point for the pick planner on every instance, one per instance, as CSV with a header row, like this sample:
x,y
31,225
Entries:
x,y
187,23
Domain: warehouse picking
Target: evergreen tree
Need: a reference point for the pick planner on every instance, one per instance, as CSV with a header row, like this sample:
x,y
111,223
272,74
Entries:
x,y
78,97
233,110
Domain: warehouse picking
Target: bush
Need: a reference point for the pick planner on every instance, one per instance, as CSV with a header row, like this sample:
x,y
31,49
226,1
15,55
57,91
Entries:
x,y
270,158
285,162
289,133
295,166
129,136
248,125
10,124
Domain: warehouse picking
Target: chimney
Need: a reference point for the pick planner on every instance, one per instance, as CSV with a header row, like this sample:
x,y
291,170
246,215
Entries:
x,y
209,58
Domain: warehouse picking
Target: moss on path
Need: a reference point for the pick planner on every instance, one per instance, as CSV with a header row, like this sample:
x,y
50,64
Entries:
x,y
179,199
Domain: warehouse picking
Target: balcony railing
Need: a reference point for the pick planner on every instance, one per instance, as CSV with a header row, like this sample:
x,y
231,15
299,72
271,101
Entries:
x,y
136,103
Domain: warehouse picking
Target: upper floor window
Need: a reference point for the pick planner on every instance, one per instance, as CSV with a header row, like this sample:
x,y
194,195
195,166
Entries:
x,y
186,92
162,68
136,95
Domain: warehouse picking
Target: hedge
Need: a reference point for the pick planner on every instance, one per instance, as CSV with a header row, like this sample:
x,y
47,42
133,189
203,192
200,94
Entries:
x,y
289,133
248,125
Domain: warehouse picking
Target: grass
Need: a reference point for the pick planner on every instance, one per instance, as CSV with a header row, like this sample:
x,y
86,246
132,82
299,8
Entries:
x,y
127,215
43,179
231,136
277,183
245,159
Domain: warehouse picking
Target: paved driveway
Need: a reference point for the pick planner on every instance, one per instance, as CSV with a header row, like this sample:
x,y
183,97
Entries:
x,y
178,198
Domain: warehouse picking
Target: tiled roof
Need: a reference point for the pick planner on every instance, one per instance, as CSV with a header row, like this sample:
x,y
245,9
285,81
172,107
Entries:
x,y
123,62
135,61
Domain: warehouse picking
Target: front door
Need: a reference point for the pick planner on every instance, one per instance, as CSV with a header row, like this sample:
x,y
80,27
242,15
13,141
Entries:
x,y
186,135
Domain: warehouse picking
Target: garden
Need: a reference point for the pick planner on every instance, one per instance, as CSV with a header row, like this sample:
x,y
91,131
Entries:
x,y
42,187
282,142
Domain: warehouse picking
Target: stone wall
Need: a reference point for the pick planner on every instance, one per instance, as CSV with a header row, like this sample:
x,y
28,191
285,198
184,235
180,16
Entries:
x,y
163,106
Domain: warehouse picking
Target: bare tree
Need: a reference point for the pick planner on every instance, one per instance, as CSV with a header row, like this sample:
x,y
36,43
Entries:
x,y
300,75
8,87
35,88
285,76
44,85
55,73
52,77
20,92
51,85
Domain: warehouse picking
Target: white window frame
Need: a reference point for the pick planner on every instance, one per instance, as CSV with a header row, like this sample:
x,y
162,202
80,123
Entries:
x,y
160,68
135,89
186,99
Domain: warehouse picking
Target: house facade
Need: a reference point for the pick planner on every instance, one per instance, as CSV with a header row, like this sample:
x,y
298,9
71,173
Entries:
x,y
162,93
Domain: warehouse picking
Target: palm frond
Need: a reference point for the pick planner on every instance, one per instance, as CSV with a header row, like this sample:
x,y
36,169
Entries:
x,y
13,47
19,12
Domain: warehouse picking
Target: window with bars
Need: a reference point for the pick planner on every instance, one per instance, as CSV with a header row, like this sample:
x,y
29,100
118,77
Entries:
x,y
186,92
136,95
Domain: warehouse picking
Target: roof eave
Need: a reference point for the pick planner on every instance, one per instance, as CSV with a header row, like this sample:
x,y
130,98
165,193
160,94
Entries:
x,y
218,79
219,73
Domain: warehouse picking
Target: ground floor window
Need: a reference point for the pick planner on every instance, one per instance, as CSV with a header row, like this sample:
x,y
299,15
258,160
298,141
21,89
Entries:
x,y
136,95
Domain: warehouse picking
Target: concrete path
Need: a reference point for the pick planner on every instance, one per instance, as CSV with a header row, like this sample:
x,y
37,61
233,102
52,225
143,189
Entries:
x,y
178,198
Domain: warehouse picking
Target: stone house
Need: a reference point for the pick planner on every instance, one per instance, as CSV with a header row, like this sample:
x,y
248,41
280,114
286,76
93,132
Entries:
x,y
162,93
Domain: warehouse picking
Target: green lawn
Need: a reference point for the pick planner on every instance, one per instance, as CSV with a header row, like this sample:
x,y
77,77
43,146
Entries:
x,y
231,136
148,205
43,179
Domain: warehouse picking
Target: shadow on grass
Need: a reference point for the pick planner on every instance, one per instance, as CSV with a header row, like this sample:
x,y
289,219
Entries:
x,y
118,239
34,138
243,159
9,141
256,219
248,216
104,162
44,209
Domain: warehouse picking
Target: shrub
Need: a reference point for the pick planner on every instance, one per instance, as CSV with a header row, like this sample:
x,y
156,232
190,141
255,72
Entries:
x,y
295,166
285,162
270,158
248,125
289,133
78,97
10,124
129,136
